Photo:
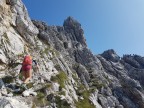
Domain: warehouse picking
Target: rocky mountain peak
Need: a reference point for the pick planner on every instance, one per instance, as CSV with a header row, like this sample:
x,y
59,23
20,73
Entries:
x,y
110,55
71,22
74,27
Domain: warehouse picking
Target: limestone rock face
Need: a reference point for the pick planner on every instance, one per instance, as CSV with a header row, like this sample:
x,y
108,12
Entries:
x,y
3,59
69,75
12,103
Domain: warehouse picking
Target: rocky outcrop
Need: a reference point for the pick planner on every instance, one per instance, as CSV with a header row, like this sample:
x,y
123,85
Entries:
x,y
70,76
12,103
74,28
111,55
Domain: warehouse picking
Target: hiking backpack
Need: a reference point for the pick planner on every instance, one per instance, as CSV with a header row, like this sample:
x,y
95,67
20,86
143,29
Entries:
x,y
27,60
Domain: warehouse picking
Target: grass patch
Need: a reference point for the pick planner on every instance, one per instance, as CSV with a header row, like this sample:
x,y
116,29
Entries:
x,y
7,39
40,100
80,90
19,93
20,55
30,85
85,103
20,76
8,79
60,78
98,84
45,86
48,85
34,105
62,93
75,76
40,95
54,52
46,50
61,103
15,65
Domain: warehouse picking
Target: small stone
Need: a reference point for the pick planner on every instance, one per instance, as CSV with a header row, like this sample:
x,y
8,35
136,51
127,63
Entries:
x,y
81,98
3,91
33,93
55,86
10,95
27,93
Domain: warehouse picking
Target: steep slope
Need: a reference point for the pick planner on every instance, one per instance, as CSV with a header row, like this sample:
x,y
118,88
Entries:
x,y
70,76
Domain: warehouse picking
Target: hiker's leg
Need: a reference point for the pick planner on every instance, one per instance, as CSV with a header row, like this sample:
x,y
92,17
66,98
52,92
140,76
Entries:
x,y
23,75
28,76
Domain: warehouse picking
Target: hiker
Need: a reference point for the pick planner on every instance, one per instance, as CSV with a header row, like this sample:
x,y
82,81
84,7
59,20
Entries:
x,y
27,68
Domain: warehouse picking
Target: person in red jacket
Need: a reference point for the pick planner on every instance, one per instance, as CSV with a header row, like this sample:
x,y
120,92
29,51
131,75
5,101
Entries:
x,y
27,68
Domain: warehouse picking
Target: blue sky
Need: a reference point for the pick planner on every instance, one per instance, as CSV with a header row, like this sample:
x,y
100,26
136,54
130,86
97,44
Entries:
x,y
107,24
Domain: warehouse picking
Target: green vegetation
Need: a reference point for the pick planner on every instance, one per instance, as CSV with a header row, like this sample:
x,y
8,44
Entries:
x,y
48,85
40,95
61,103
76,65
75,76
60,78
8,79
20,76
80,89
30,85
62,93
85,103
19,93
7,39
20,55
34,105
98,85
54,52
49,49
40,100
15,65
46,50
45,87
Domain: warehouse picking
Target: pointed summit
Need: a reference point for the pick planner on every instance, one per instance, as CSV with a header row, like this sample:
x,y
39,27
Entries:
x,y
70,21
73,27
110,55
